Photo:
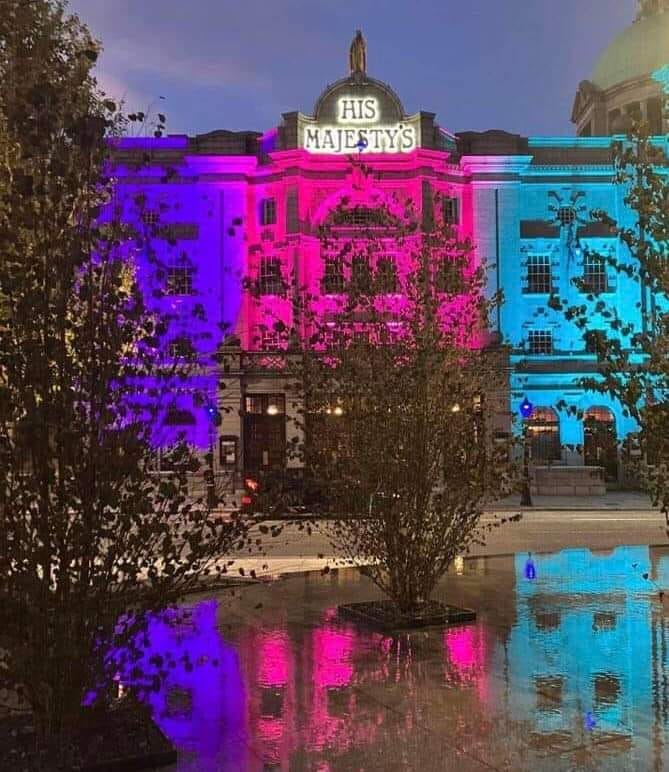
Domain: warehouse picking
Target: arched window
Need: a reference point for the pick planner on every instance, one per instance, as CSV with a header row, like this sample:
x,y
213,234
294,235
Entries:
x,y
543,435
362,216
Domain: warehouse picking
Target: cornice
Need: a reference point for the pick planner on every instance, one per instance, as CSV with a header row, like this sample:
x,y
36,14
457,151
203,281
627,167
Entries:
x,y
495,164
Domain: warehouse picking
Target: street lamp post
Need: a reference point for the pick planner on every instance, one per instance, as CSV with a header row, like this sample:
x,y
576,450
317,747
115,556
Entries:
x,y
214,419
526,410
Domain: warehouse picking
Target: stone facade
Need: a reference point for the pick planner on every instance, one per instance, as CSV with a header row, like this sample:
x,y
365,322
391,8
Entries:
x,y
230,202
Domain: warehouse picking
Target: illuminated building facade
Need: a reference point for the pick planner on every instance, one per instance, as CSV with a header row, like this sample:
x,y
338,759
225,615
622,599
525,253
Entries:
x,y
226,207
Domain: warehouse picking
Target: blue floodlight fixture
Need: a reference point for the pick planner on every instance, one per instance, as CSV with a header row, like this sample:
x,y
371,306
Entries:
x,y
361,144
212,413
526,408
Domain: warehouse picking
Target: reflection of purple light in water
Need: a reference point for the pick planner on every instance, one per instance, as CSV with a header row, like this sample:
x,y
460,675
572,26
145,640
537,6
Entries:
x,y
530,569
589,722
201,708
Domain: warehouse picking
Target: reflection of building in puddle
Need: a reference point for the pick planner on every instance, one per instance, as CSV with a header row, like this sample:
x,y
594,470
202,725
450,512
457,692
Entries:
x,y
268,660
200,705
465,657
582,643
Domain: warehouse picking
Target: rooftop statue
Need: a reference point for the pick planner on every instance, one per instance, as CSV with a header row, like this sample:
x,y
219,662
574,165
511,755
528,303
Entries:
x,y
357,56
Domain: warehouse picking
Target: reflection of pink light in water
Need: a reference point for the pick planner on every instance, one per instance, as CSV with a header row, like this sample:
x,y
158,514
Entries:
x,y
332,658
272,703
274,659
465,649
332,651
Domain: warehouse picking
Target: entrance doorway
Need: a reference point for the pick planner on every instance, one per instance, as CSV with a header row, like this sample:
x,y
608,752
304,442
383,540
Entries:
x,y
599,441
543,436
264,432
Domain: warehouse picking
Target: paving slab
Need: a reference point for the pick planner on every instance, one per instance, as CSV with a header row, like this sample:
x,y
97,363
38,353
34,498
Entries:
x,y
567,670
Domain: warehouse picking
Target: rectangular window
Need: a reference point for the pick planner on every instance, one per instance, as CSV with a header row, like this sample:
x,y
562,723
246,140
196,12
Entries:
x,y
333,336
594,273
361,275
268,211
180,278
269,276
292,211
386,276
150,217
178,230
333,277
361,336
448,276
265,404
450,208
540,341
539,275
270,340
181,348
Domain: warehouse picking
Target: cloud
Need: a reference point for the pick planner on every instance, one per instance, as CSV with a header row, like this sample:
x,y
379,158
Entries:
x,y
209,69
119,90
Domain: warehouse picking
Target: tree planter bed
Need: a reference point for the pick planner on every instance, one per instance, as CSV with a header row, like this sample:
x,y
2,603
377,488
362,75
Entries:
x,y
124,739
384,615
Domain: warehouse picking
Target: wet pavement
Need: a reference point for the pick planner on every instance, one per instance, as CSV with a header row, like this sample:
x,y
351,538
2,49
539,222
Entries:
x,y
564,669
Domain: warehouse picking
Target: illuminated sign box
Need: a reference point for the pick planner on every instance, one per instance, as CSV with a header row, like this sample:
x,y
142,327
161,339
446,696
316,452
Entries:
x,y
358,128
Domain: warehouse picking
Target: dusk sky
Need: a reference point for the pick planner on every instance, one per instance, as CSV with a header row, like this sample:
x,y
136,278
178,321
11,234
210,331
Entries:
x,y
479,64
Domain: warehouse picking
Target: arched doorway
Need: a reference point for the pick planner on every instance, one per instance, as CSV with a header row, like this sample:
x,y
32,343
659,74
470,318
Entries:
x,y
599,441
543,436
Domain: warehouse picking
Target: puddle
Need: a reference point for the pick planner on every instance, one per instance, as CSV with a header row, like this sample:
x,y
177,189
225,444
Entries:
x,y
565,668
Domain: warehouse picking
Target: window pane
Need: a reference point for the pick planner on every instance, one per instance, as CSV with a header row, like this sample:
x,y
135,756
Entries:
x,y
386,275
333,277
540,341
361,275
451,211
539,274
268,211
269,280
594,273
180,279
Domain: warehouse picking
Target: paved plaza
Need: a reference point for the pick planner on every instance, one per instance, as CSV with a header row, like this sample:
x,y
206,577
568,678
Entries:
x,y
564,669
555,522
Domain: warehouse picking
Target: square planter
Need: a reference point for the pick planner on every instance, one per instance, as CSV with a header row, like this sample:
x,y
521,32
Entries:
x,y
384,615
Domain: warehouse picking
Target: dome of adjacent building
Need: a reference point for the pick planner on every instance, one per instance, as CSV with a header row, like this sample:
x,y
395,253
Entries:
x,y
636,53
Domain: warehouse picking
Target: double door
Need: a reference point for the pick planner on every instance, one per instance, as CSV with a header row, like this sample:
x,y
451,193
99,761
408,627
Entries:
x,y
264,432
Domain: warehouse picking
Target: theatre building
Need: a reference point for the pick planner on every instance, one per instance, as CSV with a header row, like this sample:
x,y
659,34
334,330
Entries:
x,y
247,205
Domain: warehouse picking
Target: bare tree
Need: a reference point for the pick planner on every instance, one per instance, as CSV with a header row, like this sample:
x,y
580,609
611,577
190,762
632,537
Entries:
x,y
634,359
403,403
90,538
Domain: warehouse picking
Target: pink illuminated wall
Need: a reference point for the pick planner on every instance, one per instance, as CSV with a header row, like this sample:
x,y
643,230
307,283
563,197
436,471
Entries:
x,y
214,202
320,189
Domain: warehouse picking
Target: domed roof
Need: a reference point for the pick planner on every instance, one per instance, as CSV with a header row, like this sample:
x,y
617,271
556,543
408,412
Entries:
x,y
636,53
